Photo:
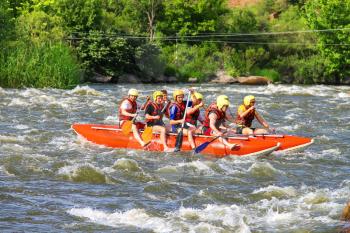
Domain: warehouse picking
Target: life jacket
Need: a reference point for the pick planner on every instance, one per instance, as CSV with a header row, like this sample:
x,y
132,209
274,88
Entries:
x,y
132,110
167,109
247,120
221,116
180,110
192,119
157,109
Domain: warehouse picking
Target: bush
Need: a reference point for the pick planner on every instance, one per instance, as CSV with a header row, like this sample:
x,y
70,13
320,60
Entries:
x,y
271,74
40,65
238,63
198,61
302,70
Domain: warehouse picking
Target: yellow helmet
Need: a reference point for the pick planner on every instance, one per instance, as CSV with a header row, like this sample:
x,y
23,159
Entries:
x,y
222,102
156,94
178,92
248,99
198,95
225,97
133,92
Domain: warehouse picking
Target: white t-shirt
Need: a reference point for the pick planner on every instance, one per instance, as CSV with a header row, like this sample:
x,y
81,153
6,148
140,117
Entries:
x,y
126,105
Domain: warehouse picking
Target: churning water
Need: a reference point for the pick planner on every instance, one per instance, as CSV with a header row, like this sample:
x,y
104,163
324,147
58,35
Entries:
x,y
53,181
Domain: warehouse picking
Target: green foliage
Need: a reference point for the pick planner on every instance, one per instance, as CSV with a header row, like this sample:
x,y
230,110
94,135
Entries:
x,y
38,26
309,70
79,15
197,61
332,14
271,74
105,55
6,22
241,62
148,61
40,65
240,20
182,17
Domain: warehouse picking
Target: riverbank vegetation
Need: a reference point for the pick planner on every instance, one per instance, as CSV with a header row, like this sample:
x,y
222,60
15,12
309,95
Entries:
x,y
46,43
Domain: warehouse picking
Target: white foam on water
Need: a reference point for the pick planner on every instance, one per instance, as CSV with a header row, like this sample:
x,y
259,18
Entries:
x,y
343,95
20,126
11,139
111,119
280,191
85,90
227,215
200,166
15,148
134,217
263,169
29,92
18,102
205,228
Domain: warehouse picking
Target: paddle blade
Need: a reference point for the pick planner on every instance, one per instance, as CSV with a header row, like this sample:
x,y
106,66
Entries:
x,y
126,128
201,147
147,134
178,142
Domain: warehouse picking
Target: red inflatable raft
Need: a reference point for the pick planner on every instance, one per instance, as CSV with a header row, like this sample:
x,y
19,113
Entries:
x,y
111,136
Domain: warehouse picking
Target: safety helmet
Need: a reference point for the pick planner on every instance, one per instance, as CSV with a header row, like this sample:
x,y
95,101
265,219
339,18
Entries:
x,y
133,92
178,92
222,102
156,94
248,99
220,97
198,95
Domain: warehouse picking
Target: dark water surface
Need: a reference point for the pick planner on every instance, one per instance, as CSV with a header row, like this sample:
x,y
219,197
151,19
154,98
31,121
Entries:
x,y
53,181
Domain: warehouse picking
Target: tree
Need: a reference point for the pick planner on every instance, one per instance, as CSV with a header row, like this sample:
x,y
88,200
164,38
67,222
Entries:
x,y
182,17
333,45
6,21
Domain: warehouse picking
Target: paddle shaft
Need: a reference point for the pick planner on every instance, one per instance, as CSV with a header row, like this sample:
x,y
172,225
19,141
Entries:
x,y
179,137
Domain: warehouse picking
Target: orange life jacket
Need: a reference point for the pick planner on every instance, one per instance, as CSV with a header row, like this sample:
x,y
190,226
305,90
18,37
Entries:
x,y
221,116
132,110
247,119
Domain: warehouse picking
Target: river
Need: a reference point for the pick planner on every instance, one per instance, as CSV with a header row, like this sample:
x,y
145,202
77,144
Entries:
x,y
53,181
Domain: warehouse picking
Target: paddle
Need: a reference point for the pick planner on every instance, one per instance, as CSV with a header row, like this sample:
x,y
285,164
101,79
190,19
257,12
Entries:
x,y
204,145
126,128
179,138
147,133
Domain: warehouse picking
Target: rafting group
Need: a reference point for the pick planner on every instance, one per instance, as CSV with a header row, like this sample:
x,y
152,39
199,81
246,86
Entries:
x,y
185,115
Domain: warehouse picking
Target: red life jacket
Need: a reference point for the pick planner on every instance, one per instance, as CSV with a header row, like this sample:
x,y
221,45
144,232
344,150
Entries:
x,y
192,119
167,109
221,116
132,110
157,109
247,120
180,110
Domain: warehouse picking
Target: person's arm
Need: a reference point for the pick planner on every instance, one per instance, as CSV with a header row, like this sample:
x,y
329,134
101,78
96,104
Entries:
x,y
261,120
212,120
125,106
173,111
242,113
190,111
148,112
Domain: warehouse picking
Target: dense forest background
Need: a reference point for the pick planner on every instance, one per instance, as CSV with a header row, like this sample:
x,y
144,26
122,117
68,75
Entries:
x,y
60,43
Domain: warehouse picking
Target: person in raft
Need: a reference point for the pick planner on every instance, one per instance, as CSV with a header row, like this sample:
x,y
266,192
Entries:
x,y
214,120
166,102
154,118
193,113
176,112
246,113
127,112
